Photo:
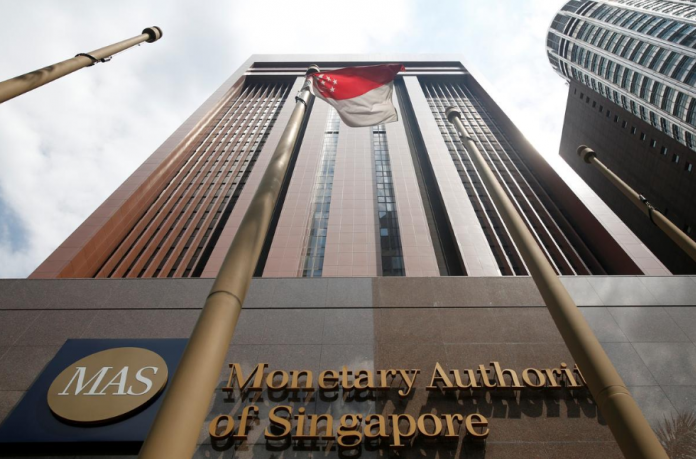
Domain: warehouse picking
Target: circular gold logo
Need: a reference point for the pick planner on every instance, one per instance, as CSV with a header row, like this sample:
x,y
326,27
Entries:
x,y
107,385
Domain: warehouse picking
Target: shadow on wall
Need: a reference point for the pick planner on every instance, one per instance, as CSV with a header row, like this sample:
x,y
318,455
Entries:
x,y
678,435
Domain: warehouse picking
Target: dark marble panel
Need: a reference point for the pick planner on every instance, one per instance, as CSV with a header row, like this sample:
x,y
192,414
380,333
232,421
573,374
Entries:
x,y
177,323
345,293
685,317
54,327
349,326
629,364
299,293
13,324
497,325
603,325
280,326
22,364
407,325
401,292
642,325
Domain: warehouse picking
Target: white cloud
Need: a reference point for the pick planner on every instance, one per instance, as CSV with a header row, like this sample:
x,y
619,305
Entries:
x,y
65,147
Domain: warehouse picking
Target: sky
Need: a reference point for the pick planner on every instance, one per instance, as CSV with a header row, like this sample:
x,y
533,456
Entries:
x,y
65,147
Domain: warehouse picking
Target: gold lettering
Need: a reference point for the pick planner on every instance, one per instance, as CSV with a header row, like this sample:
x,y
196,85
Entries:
x,y
383,375
472,384
500,374
314,427
436,422
244,423
474,421
295,383
484,378
550,375
300,416
344,374
279,421
349,430
449,420
572,383
215,424
270,380
241,382
326,378
409,382
364,380
380,423
439,376
397,434
541,379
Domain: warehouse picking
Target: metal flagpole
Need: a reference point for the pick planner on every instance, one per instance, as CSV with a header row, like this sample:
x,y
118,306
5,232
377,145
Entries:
x,y
670,229
14,87
174,432
627,423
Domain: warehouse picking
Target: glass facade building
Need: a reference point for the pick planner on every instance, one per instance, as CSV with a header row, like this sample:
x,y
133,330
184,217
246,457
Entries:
x,y
385,262
637,53
400,199
631,69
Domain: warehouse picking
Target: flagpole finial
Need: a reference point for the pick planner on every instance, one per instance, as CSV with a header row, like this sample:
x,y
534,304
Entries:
x,y
452,112
313,69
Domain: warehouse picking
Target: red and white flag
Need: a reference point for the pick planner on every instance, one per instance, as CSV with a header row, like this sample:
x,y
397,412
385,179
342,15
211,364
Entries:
x,y
362,96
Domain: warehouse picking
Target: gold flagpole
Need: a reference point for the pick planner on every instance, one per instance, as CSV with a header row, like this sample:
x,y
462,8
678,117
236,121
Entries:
x,y
174,433
24,83
670,229
627,423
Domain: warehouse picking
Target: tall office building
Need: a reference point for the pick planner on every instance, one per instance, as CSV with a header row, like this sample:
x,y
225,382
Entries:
x,y
631,67
385,261
401,199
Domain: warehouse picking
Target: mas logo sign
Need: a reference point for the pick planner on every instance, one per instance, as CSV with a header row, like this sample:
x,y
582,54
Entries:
x,y
108,385
94,393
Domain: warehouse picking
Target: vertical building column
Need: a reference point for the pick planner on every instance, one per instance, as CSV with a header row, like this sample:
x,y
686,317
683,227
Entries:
x,y
475,251
416,243
287,249
352,245
223,244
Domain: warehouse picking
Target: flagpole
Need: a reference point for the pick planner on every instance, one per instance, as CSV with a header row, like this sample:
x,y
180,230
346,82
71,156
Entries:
x,y
14,87
174,433
627,423
670,229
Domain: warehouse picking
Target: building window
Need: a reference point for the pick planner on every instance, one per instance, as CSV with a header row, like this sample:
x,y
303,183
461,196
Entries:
x,y
315,241
582,95
623,125
663,150
587,100
389,234
608,113
687,229
594,104
653,143
675,158
601,108
633,130
642,136
688,167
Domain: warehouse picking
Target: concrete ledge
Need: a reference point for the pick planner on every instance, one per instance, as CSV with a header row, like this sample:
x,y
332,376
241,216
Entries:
x,y
42,294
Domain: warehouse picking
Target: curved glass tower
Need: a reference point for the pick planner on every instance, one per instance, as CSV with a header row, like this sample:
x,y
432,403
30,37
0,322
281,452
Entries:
x,y
638,53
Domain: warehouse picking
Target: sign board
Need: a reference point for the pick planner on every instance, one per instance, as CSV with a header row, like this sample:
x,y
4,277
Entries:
x,y
94,393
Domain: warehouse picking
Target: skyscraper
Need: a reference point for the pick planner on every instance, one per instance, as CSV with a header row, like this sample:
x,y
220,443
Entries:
x,y
631,67
401,199
386,260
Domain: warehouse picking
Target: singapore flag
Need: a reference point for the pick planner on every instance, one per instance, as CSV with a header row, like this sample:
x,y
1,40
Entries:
x,y
362,96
